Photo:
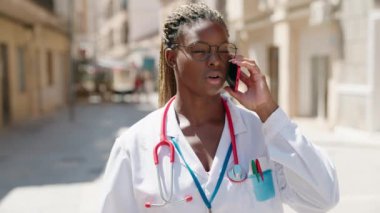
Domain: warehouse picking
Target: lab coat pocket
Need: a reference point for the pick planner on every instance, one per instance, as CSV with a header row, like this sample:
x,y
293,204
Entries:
x,y
261,179
263,190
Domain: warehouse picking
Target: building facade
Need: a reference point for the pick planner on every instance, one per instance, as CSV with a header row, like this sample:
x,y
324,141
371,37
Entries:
x,y
34,60
112,43
128,40
319,56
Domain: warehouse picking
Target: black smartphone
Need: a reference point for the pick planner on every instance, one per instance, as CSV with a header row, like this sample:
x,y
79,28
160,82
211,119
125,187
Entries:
x,y
233,76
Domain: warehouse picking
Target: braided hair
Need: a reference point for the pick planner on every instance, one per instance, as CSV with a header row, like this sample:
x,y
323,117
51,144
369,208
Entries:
x,y
185,14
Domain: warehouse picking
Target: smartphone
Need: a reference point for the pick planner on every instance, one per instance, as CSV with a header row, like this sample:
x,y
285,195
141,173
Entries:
x,y
233,76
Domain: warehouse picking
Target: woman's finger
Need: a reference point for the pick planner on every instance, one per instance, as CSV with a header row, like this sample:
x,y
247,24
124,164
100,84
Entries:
x,y
251,67
245,78
238,57
244,64
242,58
236,94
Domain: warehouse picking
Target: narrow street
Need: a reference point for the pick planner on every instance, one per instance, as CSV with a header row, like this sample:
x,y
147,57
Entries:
x,y
54,165
50,163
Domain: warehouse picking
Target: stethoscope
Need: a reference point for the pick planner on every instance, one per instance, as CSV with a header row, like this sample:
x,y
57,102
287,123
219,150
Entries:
x,y
235,173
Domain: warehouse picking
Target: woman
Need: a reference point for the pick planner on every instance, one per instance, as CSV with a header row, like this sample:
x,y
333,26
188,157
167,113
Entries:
x,y
271,162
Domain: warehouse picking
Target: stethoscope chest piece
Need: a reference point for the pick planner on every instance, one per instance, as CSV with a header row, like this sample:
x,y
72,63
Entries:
x,y
236,174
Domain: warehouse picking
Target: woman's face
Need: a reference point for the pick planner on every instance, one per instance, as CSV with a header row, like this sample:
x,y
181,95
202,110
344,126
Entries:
x,y
201,77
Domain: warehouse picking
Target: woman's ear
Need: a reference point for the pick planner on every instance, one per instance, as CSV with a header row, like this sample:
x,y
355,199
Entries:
x,y
170,56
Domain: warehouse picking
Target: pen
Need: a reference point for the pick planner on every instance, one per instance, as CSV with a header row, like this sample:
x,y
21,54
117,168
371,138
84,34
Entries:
x,y
259,169
254,170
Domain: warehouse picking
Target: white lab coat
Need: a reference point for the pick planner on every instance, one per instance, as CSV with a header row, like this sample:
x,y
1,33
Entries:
x,y
303,175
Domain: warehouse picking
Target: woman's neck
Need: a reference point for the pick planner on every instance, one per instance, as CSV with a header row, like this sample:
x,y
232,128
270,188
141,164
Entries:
x,y
200,110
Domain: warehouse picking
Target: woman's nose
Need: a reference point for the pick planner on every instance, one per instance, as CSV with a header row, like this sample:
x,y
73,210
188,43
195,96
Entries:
x,y
214,58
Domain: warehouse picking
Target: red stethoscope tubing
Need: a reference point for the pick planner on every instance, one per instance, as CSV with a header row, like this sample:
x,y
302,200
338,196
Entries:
x,y
232,132
164,141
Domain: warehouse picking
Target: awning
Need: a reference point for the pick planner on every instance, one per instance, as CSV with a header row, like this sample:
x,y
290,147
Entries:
x,y
112,64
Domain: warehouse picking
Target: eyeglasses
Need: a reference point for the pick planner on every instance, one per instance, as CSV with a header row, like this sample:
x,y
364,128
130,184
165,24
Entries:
x,y
201,51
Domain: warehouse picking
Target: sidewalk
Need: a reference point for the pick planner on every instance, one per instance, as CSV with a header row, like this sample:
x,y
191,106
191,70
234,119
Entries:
x,y
318,132
356,155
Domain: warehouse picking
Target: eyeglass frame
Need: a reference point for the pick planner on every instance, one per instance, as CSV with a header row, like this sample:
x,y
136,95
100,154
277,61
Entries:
x,y
209,52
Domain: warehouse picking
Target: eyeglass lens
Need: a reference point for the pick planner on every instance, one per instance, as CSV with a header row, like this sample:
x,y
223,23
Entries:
x,y
201,51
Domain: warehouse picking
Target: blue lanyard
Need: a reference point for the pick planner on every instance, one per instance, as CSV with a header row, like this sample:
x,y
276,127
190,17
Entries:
x,y
196,181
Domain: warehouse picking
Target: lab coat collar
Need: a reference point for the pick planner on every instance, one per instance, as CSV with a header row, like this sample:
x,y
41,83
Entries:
x,y
174,131
172,128
237,119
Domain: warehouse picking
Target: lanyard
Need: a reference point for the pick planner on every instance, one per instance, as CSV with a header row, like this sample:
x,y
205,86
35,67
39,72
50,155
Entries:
x,y
206,201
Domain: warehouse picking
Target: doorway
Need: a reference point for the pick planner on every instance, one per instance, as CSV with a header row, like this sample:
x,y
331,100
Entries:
x,y
4,77
320,66
273,71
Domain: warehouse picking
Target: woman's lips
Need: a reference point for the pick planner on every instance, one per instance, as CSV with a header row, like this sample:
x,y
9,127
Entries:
x,y
215,80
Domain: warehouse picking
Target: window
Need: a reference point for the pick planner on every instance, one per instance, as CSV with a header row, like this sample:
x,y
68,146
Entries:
x,y
109,10
47,4
125,32
377,3
265,5
49,67
21,68
124,4
110,39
